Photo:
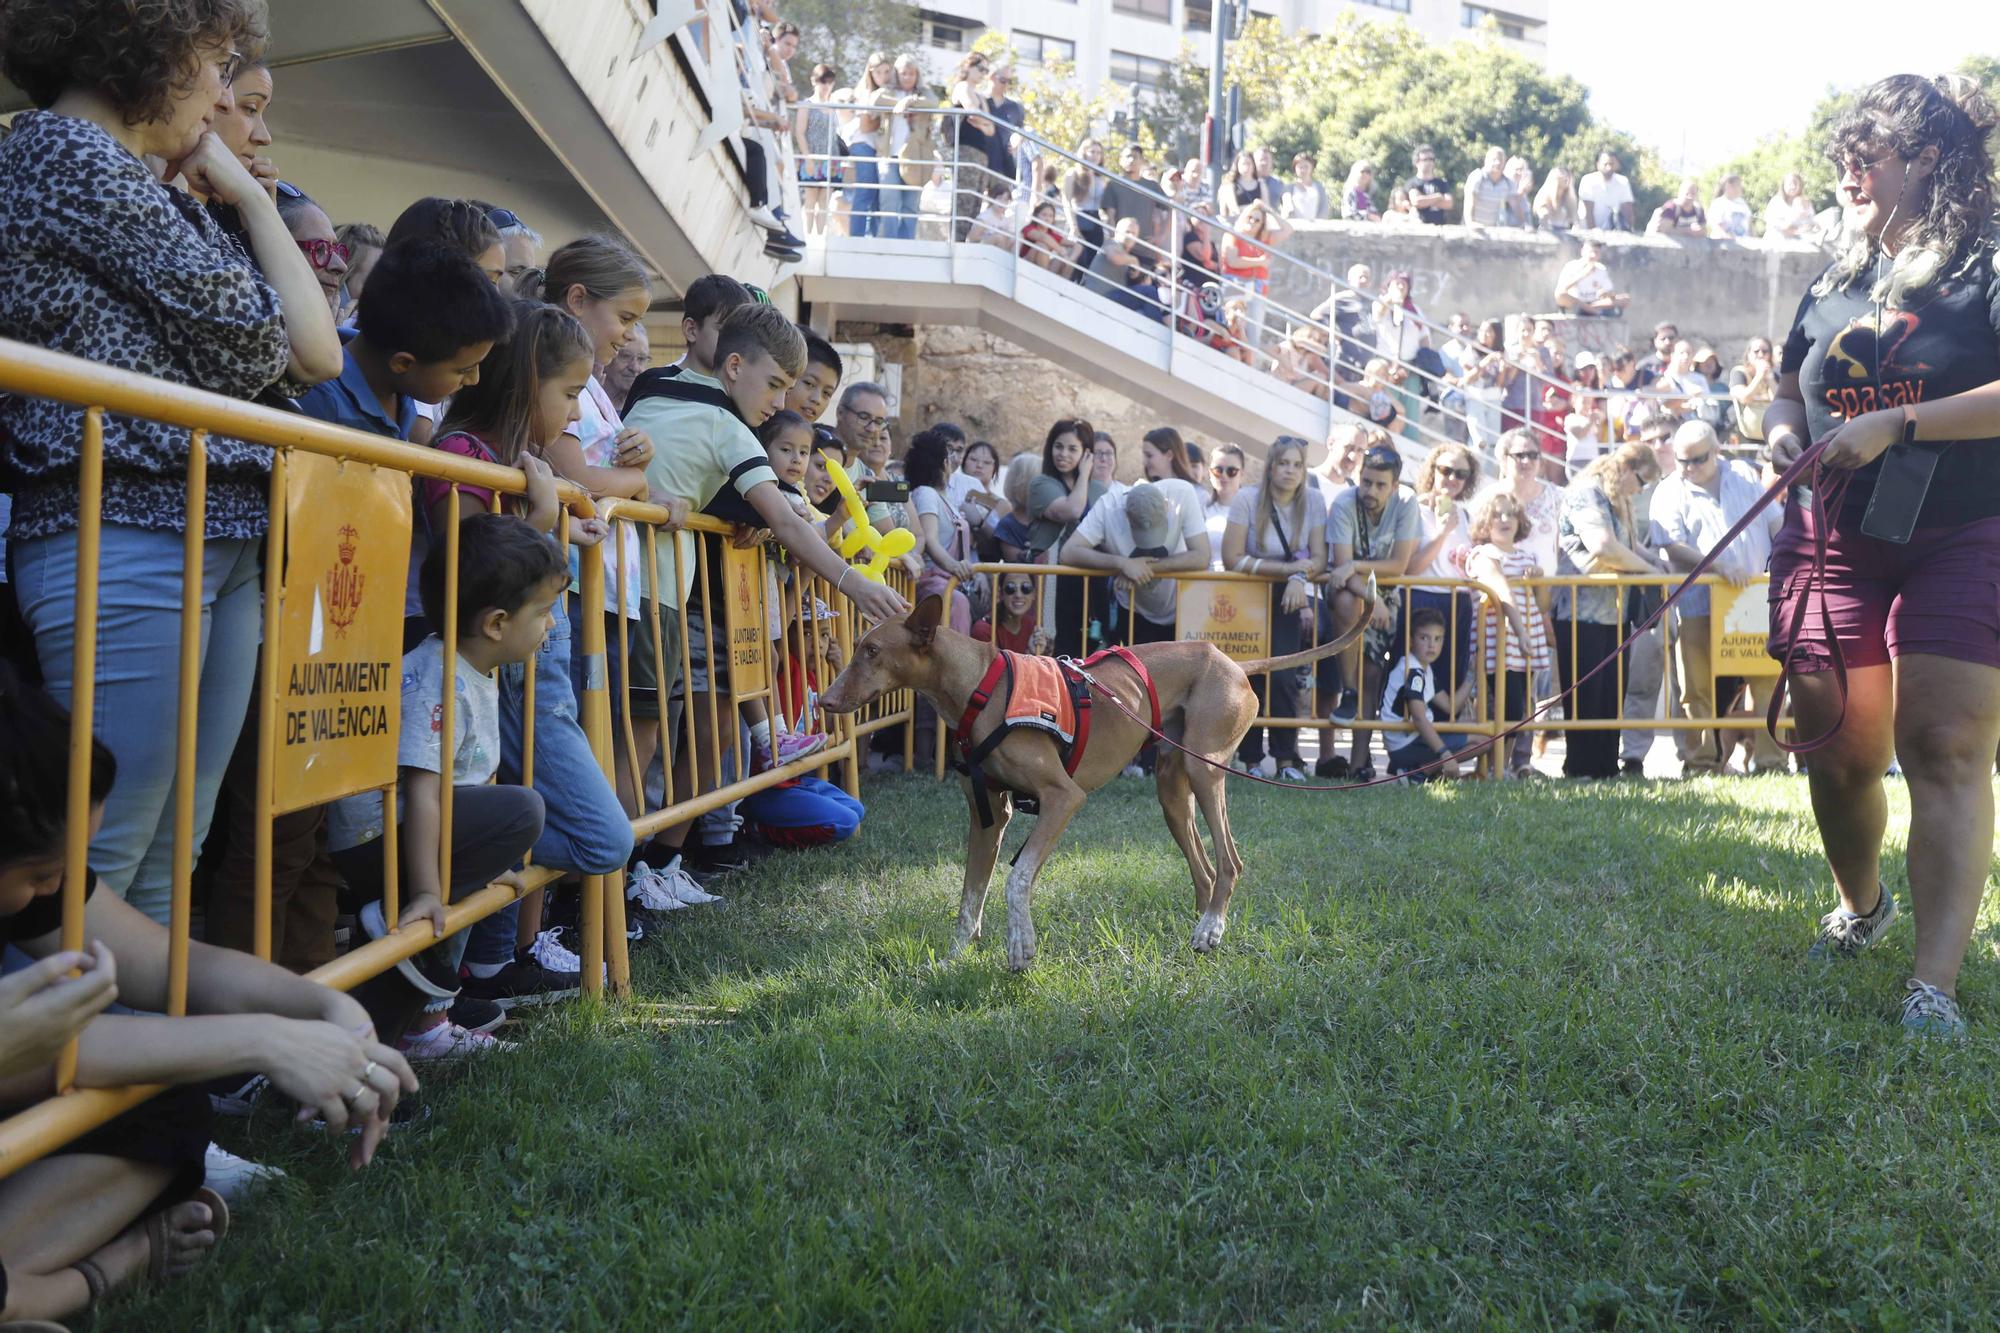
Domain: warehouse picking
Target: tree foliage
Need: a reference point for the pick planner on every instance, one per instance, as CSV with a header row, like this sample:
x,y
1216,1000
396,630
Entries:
x,y
844,33
1765,167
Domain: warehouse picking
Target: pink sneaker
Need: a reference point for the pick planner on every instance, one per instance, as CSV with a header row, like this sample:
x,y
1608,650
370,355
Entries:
x,y
792,745
449,1041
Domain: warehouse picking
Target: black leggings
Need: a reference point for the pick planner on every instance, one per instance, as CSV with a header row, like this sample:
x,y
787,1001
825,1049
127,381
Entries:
x,y
1589,754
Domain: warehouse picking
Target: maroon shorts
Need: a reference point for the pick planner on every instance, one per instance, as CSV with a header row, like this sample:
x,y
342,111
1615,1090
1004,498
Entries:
x,y
1939,593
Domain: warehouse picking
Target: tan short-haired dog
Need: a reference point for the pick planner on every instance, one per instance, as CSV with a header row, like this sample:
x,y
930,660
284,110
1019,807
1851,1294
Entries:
x,y
1205,702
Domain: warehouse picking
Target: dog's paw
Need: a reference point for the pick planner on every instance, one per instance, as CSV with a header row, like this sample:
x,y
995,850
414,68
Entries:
x,y
1208,932
1020,947
962,940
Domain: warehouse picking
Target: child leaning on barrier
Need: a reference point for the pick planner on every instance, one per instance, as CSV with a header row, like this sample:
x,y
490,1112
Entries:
x,y
525,400
510,579
716,464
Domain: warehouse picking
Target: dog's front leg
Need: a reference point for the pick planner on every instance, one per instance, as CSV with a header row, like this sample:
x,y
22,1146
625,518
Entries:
x,y
1059,802
982,845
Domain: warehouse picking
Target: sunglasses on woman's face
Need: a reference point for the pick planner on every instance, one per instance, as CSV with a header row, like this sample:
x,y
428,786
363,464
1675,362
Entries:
x,y
1224,470
1461,473
1019,590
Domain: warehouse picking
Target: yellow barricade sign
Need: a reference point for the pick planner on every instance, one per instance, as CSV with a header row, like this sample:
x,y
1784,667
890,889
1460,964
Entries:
x,y
335,666
1739,627
743,616
1235,617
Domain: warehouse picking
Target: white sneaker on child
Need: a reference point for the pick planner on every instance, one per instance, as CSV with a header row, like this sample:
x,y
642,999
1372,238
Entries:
x,y
675,881
234,1177
449,1041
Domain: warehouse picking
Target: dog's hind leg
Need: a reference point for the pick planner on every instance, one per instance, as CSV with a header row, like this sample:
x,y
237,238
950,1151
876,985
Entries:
x,y
982,845
1059,803
1177,803
1214,800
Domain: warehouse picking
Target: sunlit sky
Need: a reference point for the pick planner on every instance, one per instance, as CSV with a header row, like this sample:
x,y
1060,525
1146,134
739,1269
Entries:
x,y
1704,79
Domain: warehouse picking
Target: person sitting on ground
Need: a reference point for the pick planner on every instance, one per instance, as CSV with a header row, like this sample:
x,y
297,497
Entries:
x,y
125,1201
1045,243
1142,537
807,810
1729,215
1380,395
1121,274
994,224
1584,286
1681,215
1556,205
1410,694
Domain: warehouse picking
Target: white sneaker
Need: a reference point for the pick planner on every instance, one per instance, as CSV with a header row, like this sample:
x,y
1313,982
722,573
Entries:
x,y
674,878
1268,767
233,1177
553,955
646,888
449,1041
766,219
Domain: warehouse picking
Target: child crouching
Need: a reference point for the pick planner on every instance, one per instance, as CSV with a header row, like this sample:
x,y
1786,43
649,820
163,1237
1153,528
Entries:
x,y
509,579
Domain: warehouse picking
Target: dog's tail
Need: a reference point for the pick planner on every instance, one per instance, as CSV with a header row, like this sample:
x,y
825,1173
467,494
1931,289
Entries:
x,y
1327,649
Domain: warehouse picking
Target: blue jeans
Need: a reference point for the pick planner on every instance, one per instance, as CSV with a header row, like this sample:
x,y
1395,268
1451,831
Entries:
x,y
584,828
812,813
863,199
138,664
901,203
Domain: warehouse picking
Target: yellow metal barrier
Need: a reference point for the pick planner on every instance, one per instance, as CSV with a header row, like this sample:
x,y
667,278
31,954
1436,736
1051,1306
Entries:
x,y
1488,715
34,372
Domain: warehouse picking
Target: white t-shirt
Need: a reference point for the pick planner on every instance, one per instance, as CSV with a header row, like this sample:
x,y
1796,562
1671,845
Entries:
x,y
1107,528
596,430
1591,277
1604,198
1417,677
355,820
1449,562
1729,217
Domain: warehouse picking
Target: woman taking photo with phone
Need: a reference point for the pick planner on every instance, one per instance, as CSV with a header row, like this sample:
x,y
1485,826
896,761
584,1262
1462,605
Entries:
x,y
1911,416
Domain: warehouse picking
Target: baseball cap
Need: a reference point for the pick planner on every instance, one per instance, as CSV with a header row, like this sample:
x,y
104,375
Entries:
x,y
1150,517
1586,359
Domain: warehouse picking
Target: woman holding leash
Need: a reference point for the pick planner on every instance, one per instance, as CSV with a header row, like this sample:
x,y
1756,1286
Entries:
x,y
1894,361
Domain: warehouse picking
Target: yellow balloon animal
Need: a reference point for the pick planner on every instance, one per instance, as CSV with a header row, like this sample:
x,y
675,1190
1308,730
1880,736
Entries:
x,y
863,536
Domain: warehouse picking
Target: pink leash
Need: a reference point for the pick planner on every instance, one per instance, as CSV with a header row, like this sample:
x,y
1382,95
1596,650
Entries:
x,y
1827,489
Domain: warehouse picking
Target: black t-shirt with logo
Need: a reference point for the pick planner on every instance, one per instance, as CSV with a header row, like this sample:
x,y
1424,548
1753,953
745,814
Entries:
x,y
1417,185
1946,342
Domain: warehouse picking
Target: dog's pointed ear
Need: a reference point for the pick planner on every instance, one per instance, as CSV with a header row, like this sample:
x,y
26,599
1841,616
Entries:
x,y
922,623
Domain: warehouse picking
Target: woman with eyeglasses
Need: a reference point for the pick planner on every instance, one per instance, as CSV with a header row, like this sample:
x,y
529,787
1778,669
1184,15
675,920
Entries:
x,y
90,229
1445,487
1014,627
312,230
1752,386
1894,363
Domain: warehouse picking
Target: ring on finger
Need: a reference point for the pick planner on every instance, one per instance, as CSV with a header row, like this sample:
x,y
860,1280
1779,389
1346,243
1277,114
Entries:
x,y
356,1095
368,1071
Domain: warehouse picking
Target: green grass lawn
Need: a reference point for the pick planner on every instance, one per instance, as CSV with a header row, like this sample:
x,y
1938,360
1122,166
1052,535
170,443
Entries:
x,y
1494,1055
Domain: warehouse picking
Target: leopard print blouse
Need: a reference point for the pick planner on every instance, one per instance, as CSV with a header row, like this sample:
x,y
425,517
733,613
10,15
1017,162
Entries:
x,y
99,260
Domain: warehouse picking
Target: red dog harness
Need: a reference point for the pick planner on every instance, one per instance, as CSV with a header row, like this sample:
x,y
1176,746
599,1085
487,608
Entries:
x,y
1045,694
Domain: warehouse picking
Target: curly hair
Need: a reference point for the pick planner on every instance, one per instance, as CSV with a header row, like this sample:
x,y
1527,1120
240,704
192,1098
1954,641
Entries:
x,y
137,54
1904,114
1432,471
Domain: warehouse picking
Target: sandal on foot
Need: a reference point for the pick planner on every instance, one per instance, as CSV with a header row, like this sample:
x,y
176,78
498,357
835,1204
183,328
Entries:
x,y
159,1233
